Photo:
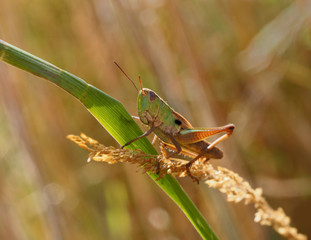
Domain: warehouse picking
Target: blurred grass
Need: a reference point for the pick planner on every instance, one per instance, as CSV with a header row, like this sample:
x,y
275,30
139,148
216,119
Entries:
x,y
215,62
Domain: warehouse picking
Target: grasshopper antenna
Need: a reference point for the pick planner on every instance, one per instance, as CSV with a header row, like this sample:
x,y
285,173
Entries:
x,y
141,85
126,75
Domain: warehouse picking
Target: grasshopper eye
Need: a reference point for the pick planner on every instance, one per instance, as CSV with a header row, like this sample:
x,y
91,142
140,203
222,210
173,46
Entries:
x,y
177,122
152,96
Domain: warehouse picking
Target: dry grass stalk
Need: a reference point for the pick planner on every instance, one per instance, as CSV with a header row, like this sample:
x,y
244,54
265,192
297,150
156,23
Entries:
x,y
228,182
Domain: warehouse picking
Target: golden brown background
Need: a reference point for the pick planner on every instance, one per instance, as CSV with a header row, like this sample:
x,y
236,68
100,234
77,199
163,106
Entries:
x,y
215,62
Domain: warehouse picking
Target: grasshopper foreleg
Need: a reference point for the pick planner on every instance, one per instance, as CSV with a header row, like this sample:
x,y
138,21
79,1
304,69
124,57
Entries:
x,y
139,137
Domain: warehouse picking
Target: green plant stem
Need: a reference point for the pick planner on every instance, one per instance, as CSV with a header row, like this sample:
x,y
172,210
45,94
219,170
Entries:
x,y
112,115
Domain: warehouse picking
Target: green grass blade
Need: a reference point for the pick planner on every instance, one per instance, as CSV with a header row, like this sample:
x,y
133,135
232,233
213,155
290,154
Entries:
x,y
112,115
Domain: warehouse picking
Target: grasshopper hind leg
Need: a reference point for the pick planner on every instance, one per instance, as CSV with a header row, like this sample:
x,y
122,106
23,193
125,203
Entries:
x,y
189,165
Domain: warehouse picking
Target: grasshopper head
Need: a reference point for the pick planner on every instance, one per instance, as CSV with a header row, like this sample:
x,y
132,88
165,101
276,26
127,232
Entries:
x,y
148,104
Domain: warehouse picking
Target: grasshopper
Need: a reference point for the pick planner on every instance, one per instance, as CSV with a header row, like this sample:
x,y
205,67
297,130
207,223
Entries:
x,y
174,131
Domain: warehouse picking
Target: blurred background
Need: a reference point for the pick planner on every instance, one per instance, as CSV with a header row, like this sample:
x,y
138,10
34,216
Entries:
x,y
215,62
